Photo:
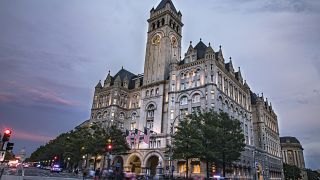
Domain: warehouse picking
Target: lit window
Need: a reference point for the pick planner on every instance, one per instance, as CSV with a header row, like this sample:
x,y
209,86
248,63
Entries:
x,y
196,168
182,167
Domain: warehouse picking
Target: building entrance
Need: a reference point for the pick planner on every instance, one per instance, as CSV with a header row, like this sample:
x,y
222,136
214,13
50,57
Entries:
x,y
135,165
152,164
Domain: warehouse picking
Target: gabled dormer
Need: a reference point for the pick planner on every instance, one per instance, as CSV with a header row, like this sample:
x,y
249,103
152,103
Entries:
x,y
126,82
239,76
209,54
229,67
107,81
117,81
219,56
191,54
98,86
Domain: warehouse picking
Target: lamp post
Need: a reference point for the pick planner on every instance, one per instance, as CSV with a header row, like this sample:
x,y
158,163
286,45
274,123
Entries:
x,y
170,150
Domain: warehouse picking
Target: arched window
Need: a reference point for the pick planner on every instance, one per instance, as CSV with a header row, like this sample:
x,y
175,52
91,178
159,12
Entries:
x,y
153,26
151,92
99,116
158,23
184,100
121,115
162,21
150,111
134,116
157,91
196,98
150,116
105,114
147,93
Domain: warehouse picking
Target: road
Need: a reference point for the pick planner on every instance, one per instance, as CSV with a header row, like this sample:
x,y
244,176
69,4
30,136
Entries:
x,y
38,173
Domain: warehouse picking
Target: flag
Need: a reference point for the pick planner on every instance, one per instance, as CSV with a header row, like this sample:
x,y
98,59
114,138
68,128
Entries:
x,y
128,133
137,138
146,135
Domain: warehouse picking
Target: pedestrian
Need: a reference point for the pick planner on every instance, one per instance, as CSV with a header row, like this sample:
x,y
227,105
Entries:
x,y
104,174
84,174
97,174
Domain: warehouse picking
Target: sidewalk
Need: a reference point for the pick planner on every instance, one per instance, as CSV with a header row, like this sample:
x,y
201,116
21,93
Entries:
x,y
9,177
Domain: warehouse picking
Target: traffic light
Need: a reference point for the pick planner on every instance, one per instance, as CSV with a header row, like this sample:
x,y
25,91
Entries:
x,y
6,135
109,145
9,146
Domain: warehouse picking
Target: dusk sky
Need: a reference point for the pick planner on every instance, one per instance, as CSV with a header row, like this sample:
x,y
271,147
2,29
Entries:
x,y
53,53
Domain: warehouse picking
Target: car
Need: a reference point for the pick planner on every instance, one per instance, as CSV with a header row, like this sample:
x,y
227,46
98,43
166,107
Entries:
x,y
56,168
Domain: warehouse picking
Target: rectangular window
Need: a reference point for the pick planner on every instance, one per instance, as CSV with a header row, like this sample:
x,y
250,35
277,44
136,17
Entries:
x,y
198,83
196,168
172,87
133,126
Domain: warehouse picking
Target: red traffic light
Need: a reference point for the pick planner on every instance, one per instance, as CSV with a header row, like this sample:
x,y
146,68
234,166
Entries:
x,y
109,147
7,131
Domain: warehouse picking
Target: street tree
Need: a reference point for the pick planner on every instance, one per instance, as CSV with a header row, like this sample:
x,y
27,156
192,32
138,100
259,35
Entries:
x,y
291,172
186,143
216,138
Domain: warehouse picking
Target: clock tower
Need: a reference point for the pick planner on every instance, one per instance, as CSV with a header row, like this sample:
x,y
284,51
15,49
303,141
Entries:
x,y
163,42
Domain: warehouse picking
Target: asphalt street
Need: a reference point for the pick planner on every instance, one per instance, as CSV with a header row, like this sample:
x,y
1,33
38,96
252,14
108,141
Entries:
x,y
37,172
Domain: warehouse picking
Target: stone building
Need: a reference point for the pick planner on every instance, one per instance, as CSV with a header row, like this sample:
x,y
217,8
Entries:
x,y
170,88
266,139
292,153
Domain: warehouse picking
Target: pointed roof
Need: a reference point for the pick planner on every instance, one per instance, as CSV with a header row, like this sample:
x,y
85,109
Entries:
x,y
163,4
99,85
201,49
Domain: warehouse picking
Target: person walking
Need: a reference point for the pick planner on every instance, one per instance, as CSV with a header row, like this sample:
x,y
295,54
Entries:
x,y
97,174
84,174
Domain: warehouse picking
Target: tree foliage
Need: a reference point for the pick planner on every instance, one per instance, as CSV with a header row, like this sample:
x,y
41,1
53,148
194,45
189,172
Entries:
x,y
313,175
82,141
291,171
216,138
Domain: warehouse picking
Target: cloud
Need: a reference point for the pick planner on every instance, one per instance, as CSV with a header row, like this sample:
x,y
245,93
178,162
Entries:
x,y
31,94
29,136
5,97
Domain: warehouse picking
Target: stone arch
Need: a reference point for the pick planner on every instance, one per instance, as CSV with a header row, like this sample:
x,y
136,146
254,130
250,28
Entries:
x,y
181,95
134,163
151,103
153,161
196,92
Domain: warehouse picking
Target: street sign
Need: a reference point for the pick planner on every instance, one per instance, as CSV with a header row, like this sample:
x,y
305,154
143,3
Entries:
x,y
2,155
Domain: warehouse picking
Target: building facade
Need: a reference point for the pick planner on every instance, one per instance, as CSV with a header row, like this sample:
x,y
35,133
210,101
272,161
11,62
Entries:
x,y
292,153
266,139
170,88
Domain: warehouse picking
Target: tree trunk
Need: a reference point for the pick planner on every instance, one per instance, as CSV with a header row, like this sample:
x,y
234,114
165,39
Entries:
x,y
94,163
207,163
187,169
223,165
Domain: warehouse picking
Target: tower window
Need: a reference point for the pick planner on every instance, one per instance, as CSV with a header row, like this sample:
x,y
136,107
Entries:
x,y
162,21
153,26
158,23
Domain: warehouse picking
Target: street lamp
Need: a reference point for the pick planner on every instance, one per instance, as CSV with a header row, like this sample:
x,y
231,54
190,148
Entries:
x,y
170,150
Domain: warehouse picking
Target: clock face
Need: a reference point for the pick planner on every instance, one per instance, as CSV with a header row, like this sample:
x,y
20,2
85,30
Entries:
x,y
174,41
156,39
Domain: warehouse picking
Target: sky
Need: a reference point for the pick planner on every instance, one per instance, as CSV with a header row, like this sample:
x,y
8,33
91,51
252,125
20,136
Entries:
x,y
53,53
